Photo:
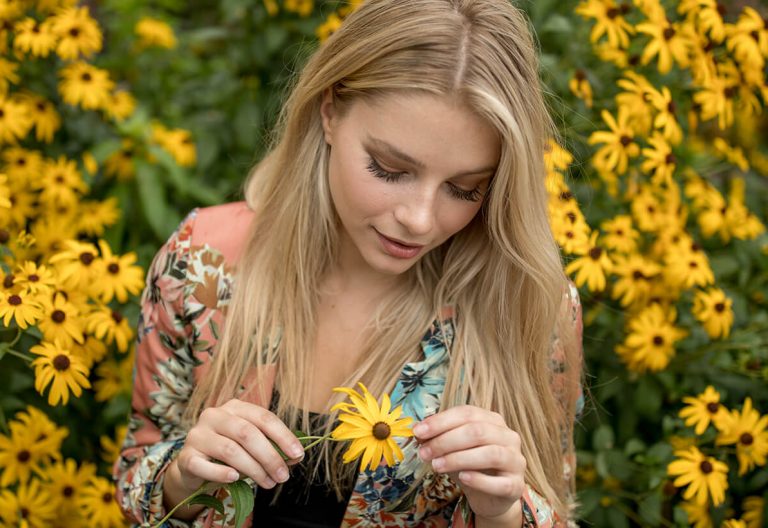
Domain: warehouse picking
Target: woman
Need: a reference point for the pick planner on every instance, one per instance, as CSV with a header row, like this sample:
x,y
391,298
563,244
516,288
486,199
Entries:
x,y
395,234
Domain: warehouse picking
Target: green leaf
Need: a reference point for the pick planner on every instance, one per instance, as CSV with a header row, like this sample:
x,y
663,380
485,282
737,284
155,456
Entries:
x,y
603,438
209,501
650,509
557,24
160,217
242,497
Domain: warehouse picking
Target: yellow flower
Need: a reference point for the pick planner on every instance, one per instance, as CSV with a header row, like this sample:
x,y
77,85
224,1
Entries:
x,y
45,118
91,350
327,28
746,429
119,276
95,216
592,267
271,7
98,505
302,7
665,119
706,477
687,266
733,154
85,85
66,482
62,183
154,32
703,409
177,142
15,121
667,41
580,87
110,448
753,512
78,33
77,265
717,100
17,460
23,167
556,157
61,321
45,437
114,377
635,276
659,160
20,307
733,523
748,38
636,98
370,427
29,506
110,325
60,367
120,164
35,279
715,311
650,342
619,144
619,234
8,74
34,37
120,105
698,514
609,21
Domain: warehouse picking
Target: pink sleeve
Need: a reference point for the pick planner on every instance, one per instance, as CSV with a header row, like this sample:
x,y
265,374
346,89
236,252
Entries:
x,y
162,381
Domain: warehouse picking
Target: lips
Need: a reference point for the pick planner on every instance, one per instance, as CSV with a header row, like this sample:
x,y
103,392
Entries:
x,y
397,248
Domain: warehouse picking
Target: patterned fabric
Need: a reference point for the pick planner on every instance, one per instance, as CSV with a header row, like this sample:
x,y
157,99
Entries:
x,y
188,288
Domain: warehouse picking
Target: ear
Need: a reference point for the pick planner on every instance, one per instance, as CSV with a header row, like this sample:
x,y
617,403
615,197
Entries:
x,y
328,114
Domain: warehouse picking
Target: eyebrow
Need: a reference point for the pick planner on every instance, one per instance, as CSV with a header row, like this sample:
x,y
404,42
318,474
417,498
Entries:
x,y
402,156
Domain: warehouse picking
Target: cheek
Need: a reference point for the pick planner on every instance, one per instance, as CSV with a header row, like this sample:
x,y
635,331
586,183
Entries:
x,y
456,217
354,189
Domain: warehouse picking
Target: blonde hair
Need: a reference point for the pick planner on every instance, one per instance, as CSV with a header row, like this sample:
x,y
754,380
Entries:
x,y
502,273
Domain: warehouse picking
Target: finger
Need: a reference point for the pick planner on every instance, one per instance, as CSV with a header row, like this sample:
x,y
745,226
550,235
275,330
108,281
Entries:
x,y
269,424
490,457
255,444
234,455
202,469
451,418
507,486
466,436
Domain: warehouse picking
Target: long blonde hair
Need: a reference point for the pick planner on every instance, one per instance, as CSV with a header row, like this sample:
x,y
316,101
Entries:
x,y
502,273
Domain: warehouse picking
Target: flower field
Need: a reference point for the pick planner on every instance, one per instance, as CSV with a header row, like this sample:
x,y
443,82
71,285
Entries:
x,y
119,116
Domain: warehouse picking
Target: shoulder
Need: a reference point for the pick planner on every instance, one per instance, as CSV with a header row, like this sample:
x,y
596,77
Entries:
x,y
223,228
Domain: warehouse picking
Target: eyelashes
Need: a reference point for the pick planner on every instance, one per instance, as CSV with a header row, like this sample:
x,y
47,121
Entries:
x,y
374,168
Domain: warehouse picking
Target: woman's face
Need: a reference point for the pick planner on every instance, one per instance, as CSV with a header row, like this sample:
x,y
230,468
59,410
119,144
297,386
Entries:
x,y
406,172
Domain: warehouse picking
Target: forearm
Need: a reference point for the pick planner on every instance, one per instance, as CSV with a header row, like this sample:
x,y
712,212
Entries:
x,y
513,518
174,493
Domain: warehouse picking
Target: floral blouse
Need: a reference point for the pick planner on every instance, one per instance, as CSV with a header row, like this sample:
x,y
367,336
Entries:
x,y
188,285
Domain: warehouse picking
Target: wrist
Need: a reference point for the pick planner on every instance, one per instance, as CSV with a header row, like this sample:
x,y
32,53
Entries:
x,y
512,518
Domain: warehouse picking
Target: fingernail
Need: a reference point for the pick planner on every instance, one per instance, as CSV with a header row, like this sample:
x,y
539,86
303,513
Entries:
x,y
282,474
269,483
296,452
232,476
425,453
419,429
438,463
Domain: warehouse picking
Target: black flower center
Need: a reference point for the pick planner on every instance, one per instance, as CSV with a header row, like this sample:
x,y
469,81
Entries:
x,y
14,300
58,316
669,33
61,363
625,140
381,431
719,307
746,439
23,456
713,407
68,491
107,498
117,317
706,467
658,340
595,253
8,281
113,268
5,236
86,258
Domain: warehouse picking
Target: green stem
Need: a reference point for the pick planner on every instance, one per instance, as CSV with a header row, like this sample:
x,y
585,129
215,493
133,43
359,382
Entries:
x,y
198,491
18,354
319,439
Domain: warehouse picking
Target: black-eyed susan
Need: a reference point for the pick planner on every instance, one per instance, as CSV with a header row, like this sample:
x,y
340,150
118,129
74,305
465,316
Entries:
x,y
370,427
62,182
97,215
111,446
666,119
23,167
5,193
715,311
85,85
177,142
747,39
302,7
45,437
636,97
327,28
17,459
29,505
15,121
121,164
61,321
648,210
702,410
98,504
153,32
746,429
33,37
754,508
120,105
78,33
619,235
698,514
592,266
77,264
91,350
669,42
21,307
45,118
618,144
61,369
635,275
111,326
609,21
120,275
651,337
65,482
705,476
717,100
35,279
580,87
687,266
112,378
8,74
659,160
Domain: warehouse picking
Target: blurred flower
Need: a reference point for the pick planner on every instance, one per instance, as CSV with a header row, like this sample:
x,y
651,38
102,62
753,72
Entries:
x,y
733,154
36,279
61,321
703,409
96,215
635,275
110,448
733,523
20,307
592,267
120,163
29,506
271,7
706,477
120,276
60,368
370,427
556,157
111,326
78,33
659,160
748,38
327,28
15,121
754,508
154,32
668,42
34,37
609,21
580,87
177,142
77,265
113,377
666,120
120,105
619,235
715,311
97,504
651,338
62,183
619,144
698,514
85,85
687,266
66,482
302,7
716,99
8,74
746,429
91,350
636,98
45,118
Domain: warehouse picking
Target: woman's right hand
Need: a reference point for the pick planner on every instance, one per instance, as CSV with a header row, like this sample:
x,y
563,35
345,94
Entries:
x,y
237,435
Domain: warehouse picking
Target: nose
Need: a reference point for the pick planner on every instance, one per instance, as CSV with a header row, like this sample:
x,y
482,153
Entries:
x,y
417,210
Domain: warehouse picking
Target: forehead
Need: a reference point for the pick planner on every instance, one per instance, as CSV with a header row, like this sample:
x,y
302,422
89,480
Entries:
x,y
441,132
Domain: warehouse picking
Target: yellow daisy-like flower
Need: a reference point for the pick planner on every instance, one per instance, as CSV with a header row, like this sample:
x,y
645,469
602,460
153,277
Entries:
x,y
635,278
20,307
8,74
110,325
77,265
733,523
45,437
703,410
650,342
746,429
698,514
120,164
580,87
154,32
177,142
753,512
715,311
34,37
29,506
591,268
609,21
113,377
15,121
666,120
687,266
120,276
97,504
35,279
66,482
706,477
45,118
78,33
22,167
668,41
62,183
556,157
327,28
120,106
619,235
659,160
271,7
17,460
86,85
618,143
61,321
96,215
370,427
111,447
91,350
302,7
61,369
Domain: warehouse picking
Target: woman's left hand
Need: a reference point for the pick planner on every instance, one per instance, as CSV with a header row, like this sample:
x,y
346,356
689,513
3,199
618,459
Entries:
x,y
477,449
